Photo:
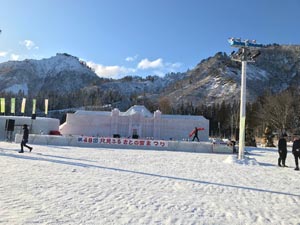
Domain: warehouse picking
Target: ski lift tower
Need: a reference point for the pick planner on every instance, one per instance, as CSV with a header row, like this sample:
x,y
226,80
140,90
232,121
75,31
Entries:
x,y
248,51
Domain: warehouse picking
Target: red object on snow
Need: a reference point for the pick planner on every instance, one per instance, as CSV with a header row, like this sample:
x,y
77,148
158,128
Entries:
x,y
54,132
193,131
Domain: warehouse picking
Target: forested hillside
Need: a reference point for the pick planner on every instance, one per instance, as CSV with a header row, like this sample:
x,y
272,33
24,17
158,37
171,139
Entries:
x,y
211,89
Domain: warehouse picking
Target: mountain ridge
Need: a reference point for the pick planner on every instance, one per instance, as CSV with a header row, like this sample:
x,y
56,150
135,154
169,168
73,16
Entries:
x,y
213,80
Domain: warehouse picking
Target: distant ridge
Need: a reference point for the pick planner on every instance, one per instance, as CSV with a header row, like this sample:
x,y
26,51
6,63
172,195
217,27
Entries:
x,y
212,81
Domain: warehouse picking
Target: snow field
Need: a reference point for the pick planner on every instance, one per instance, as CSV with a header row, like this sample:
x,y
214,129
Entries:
x,y
71,185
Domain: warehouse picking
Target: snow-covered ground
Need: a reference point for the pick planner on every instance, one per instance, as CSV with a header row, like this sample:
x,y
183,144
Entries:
x,y
90,186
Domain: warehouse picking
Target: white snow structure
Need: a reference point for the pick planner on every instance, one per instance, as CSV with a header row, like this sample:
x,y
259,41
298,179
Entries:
x,y
39,125
137,122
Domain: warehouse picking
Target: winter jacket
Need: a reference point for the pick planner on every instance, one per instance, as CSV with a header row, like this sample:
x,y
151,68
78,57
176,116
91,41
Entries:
x,y
25,134
282,144
296,147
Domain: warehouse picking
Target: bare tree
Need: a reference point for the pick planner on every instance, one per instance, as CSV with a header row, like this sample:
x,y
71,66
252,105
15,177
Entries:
x,y
278,111
165,105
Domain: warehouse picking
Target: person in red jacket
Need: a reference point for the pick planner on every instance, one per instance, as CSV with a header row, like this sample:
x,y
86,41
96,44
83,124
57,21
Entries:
x,y
195,134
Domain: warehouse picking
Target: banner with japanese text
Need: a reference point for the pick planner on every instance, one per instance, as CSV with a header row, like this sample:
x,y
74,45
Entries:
x,y
122,141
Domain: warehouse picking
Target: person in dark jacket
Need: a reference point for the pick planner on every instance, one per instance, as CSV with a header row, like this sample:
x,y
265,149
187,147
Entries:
x,y
296,151
282,150
195,134
25,139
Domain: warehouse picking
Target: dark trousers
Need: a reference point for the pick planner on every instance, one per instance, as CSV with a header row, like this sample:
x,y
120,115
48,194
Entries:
x,y
23,143
282,157
195,138
297,156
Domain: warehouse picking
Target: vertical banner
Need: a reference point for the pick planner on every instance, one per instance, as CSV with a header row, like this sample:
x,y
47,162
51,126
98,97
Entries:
x,y
2,104
33,106
13,105
46,106
23,105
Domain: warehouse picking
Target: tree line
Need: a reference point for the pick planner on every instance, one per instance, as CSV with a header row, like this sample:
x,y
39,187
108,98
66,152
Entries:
x,y
280,112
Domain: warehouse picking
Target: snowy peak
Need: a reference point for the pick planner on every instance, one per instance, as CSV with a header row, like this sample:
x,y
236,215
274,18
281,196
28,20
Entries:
x,y
217,79
32,76
58,63
214,80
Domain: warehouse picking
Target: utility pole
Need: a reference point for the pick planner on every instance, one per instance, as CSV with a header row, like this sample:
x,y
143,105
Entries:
x,y
247,53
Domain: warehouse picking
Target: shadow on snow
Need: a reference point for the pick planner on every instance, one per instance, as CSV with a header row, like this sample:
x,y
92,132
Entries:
x,y
84,165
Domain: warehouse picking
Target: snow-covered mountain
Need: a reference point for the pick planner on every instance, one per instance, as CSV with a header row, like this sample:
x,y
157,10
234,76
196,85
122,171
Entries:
x,y
213,80
62,73
218,78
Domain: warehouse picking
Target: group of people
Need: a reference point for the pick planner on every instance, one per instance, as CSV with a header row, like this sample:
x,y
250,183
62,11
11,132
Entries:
x,y
282,146
282,150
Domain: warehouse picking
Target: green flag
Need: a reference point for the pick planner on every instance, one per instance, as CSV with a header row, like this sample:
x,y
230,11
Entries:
x,y
33,106
13,105
2,103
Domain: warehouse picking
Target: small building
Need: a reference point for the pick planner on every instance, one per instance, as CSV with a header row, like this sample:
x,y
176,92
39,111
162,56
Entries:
x,y
136,122
12,125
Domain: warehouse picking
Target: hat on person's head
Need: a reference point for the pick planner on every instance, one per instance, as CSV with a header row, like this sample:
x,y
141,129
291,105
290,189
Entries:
x,y
284,135
24,126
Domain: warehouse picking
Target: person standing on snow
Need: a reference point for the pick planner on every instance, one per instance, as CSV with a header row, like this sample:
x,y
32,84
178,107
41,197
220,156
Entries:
x,y
195,134
282,150
25,139
296,151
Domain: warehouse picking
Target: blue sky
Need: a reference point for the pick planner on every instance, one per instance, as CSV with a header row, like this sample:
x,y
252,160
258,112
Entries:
x,y
141,37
